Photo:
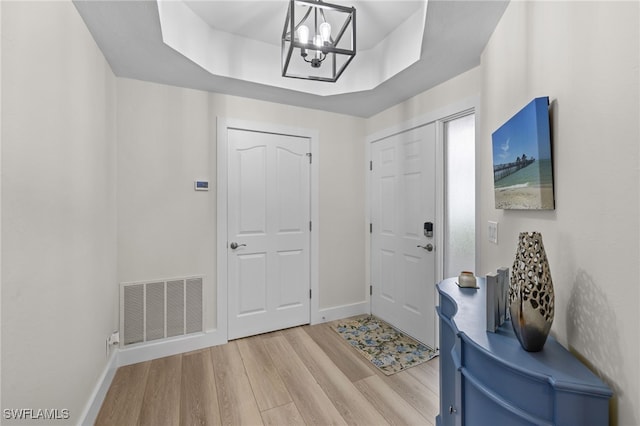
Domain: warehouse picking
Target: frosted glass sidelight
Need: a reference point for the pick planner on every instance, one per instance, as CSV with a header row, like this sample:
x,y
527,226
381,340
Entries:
x,y
460,197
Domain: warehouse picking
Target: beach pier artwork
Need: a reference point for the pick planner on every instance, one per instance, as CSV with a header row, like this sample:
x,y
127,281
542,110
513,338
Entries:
x,y
522,164
503,170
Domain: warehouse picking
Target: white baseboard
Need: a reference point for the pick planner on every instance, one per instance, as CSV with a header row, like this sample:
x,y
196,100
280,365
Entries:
x,y
168,347
340,312
94,403
141,353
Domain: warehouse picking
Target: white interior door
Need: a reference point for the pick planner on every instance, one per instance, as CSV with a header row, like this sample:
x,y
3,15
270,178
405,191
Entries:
x,y
268,235
402,200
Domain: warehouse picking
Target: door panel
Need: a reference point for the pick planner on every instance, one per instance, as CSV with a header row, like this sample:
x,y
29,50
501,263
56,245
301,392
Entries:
x,y
252,269
292,271
268,217
402,199
413,283
251,187
291,196
387,273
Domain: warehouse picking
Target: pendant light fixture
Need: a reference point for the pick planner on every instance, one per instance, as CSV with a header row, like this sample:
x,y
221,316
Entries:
x,y
318,40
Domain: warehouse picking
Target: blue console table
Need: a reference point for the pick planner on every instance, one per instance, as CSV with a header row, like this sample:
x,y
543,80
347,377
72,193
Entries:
x,y
488,379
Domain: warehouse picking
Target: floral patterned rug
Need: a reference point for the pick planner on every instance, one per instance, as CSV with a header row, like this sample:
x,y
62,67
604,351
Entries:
x,y
388,349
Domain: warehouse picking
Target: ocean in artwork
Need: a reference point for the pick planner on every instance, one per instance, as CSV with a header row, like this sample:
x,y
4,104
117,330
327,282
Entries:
x,y
537,174
529,188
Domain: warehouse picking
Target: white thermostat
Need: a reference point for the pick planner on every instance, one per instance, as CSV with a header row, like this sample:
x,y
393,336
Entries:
x,y
201,185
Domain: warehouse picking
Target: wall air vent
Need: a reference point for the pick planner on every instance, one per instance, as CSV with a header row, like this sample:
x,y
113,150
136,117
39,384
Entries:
x,y
161,309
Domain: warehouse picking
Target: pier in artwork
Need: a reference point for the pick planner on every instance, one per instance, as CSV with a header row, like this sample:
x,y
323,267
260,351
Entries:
x,y
501,171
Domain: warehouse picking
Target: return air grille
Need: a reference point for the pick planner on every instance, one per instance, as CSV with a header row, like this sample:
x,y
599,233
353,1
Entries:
x,y
160,309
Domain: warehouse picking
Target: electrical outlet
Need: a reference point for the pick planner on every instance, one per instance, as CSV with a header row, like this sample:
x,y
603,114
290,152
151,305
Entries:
x,y
493,232
113,339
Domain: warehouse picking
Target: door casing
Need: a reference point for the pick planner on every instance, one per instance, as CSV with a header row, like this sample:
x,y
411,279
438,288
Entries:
x,y
439,117
403,195
223,124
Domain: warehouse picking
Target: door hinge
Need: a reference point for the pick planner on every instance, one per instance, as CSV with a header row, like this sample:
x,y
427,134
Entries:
x,y
370,290
310,226
309,293
371,228
309,155
370,165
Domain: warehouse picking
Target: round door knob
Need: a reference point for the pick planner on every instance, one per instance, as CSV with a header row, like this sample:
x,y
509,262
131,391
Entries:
x,y
235,245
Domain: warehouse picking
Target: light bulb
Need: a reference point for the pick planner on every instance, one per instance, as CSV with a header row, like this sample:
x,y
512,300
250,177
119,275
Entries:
x,y
303,34
317,40
325,32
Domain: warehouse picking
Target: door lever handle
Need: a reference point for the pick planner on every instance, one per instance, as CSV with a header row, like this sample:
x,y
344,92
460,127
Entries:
x,y
427,247
235,245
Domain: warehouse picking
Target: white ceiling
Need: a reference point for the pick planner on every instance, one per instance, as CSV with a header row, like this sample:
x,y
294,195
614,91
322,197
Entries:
x,y
131,37
263,20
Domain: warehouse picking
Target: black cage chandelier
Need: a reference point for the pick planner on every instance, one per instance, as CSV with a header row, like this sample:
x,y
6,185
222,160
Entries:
x,y
322,52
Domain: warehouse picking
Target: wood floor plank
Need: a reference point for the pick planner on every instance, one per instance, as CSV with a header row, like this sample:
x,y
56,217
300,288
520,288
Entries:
x,y
354,367
316,367
161,403
287,414
415,393
392,406
426,375
122,403
344,395
434,363
268,388
235,397
198,395
313,404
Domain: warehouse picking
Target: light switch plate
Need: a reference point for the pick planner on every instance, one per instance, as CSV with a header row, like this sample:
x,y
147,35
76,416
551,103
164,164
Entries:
x,y
493,232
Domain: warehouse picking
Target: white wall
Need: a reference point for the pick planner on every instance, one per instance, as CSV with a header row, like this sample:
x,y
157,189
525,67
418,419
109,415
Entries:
x,y
167,139
165,228
444,95
59,293
342,198
584,56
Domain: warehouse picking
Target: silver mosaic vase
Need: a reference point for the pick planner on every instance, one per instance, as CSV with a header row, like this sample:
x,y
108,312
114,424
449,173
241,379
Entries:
x,y
531,301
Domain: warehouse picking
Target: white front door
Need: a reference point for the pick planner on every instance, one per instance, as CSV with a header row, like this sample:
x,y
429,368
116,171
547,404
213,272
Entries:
x,y
402,200
268,235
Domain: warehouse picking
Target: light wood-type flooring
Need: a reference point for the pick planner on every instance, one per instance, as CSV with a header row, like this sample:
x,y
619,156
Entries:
x,y
304,375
